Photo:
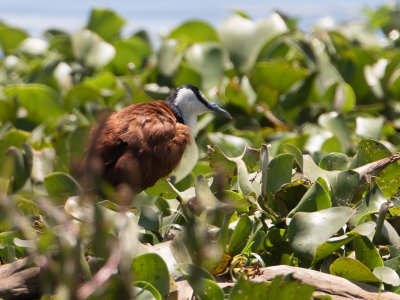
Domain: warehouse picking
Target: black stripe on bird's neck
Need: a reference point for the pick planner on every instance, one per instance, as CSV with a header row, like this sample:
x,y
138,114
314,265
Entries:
x,y
175,109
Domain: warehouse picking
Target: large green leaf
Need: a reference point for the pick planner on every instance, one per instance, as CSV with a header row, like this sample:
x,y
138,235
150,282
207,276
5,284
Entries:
x,y
335,243
40,101
131,54
208,59
105,23
352,269
245,44
240,235
60,186
307,231
370,151
10,38
91,49
279,172
193,32
279,76
367,253
151,268
336,123
13,138
316,198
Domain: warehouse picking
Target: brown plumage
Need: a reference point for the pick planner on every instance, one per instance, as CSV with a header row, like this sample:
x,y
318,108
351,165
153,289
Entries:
x,y
146,141
139,144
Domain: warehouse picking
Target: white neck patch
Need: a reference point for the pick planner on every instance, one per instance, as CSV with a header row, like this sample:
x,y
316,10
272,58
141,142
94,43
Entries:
x,y
190,107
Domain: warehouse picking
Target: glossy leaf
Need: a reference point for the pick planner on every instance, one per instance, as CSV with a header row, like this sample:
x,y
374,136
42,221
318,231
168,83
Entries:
x,y
305,233
316,198
40,101
367,253
279,172
370,151
337,125
244,45
105,23
193,32
10,38
60,186
240,235
352,269
335,243
151,268
91,49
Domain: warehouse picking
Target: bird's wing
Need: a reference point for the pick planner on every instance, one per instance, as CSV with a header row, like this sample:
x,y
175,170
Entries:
x,y
146,138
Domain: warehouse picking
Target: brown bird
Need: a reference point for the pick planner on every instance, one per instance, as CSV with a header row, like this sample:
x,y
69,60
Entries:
x,y
146,141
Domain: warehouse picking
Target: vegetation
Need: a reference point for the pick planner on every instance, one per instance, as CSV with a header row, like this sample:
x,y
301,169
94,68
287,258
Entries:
x,y
281,183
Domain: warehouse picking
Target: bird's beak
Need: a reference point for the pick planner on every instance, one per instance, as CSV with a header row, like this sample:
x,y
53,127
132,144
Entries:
x,y
214,107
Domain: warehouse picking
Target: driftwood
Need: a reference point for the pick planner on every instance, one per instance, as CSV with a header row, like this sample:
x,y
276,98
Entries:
x,y
19,280
336,287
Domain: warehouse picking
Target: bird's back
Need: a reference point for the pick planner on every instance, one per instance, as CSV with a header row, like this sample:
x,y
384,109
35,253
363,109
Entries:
x,y
137,145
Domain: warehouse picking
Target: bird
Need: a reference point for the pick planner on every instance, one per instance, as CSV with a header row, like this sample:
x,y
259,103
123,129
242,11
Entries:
x,y
146,141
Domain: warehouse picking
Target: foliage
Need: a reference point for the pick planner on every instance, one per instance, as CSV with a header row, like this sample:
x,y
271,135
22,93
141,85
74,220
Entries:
x,y
326,103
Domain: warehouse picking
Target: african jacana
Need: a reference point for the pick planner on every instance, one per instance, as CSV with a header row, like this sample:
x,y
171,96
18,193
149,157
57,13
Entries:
x,y
145,141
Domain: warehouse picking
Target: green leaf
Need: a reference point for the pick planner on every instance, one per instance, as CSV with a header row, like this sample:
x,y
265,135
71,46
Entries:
x,y
149,219
151,268
20,169
352,269
163,188
169,58
40,101
245,185
335,243
208,59
369,205
334,161
105,23
344,186
148,287
344,97
13,138
91,49
370,151
305,232
208,290
279,172
251,38
79,94
186,74
367,253
298,93
298,156
60,186
193,31
131,54
288,289
276,75
231,145
253,290
10,38
219,162
204,195
240,235
316,198
336,123
264,153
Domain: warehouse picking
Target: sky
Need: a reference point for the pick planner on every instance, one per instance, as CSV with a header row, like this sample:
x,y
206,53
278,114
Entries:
x,y
158,16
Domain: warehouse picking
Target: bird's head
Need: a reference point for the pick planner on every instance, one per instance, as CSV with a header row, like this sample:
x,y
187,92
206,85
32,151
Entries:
x,y
188,102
